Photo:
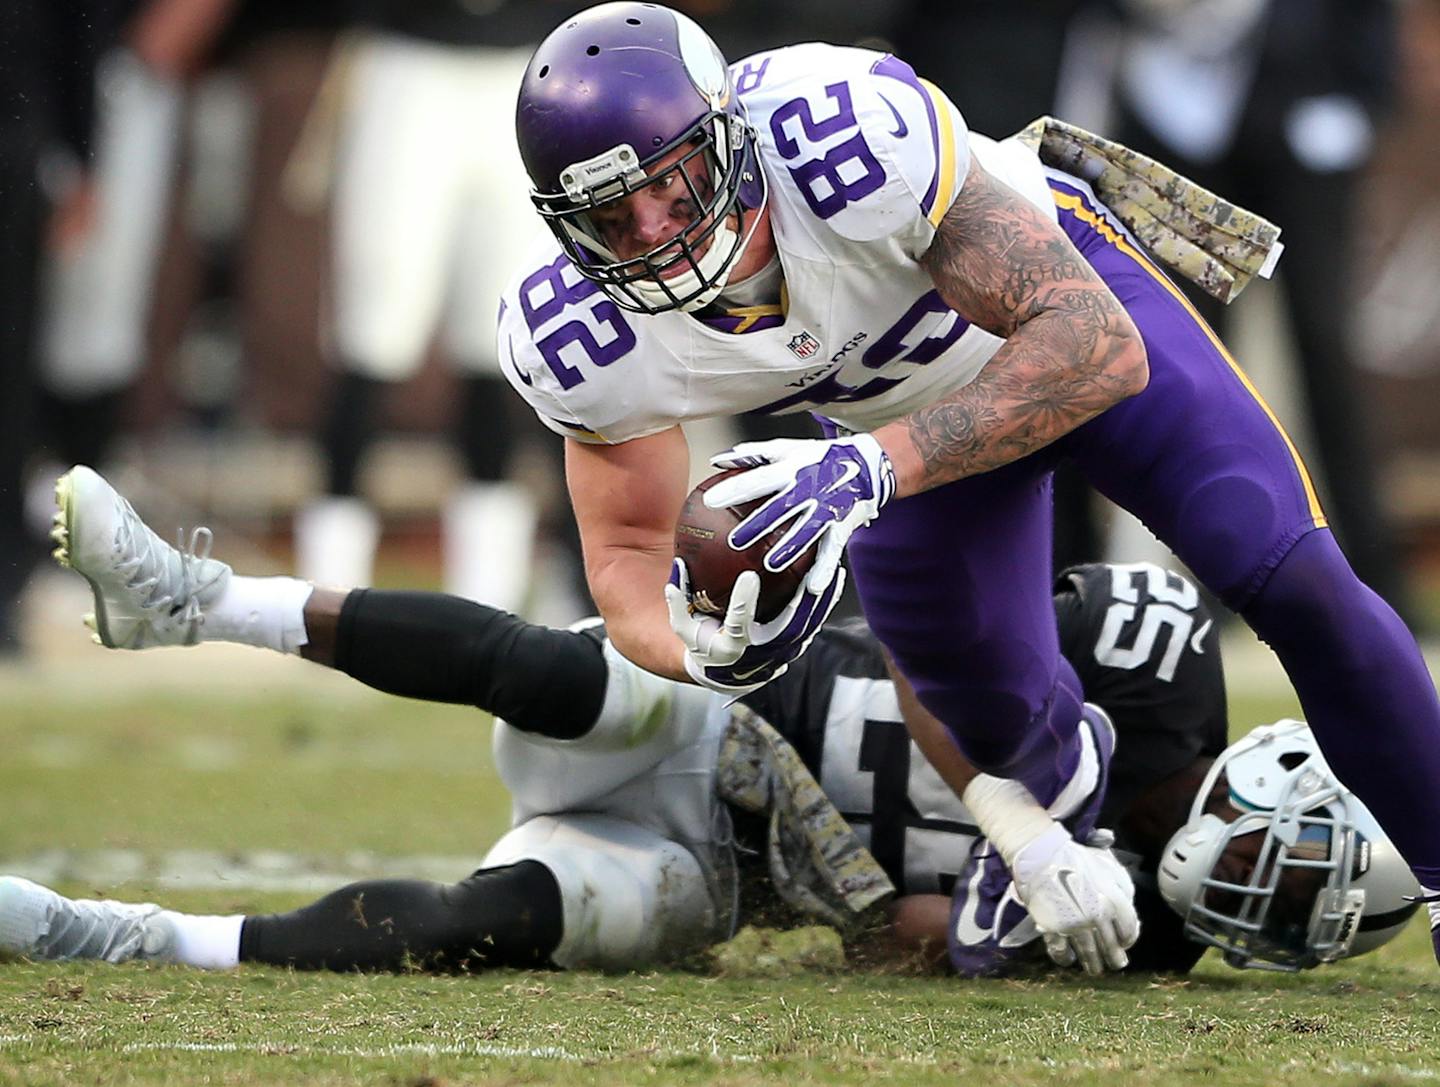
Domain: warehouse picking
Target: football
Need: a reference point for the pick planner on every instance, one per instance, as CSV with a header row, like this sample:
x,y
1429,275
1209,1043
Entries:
x,y
701,540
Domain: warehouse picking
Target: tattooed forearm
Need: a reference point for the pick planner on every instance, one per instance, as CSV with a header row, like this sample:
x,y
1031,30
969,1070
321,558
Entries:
x,y
1028,395
1071,350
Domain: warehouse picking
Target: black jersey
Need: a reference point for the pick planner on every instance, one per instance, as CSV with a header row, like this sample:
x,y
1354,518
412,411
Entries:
x,y
1146,650
838,707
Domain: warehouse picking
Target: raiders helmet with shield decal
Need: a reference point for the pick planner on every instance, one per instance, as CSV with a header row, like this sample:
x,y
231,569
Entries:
x,y
1302,874
606,97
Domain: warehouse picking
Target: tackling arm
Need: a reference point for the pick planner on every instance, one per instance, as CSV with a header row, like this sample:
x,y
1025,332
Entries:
x,y
627,498
1087,914
1070,352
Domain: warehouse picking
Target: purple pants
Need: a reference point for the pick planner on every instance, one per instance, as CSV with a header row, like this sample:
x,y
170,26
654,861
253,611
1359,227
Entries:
x,y
956,581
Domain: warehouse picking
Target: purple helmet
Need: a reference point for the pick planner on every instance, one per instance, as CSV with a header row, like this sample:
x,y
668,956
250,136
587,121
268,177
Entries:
x,y
606,96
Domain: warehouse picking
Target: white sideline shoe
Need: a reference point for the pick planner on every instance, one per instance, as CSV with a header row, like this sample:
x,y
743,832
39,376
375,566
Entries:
x,y
37,923
146,592
335,541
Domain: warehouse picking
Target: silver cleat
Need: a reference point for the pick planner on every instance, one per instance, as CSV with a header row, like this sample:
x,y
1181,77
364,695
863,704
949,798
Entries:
x,y
37,923
147,592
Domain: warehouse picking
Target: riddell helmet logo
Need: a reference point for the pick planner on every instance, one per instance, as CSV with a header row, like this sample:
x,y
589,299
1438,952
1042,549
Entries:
x,y
803,345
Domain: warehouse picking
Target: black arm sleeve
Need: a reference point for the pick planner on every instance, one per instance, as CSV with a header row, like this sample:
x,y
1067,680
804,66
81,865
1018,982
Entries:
x,y
446,649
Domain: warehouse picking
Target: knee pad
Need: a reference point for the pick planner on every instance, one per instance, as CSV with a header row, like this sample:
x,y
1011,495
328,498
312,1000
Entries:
x,y
631,898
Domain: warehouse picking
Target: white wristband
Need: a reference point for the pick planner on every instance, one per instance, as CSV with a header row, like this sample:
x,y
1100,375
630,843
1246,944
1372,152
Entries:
x,y
1007,814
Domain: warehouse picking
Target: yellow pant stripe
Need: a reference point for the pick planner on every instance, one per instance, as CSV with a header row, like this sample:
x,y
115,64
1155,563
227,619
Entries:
x,y
1076,206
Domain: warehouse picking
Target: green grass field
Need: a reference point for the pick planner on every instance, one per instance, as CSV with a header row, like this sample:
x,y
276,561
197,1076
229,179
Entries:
x,y
157,789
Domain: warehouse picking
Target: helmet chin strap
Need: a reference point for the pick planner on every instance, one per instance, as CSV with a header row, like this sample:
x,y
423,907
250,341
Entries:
x,y
713,266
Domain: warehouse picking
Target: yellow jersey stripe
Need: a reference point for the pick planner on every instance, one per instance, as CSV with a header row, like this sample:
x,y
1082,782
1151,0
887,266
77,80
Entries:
x,y
750,314
1076,206
946,189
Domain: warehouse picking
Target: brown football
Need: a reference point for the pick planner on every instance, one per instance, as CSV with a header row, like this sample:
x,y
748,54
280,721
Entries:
x,y
701,540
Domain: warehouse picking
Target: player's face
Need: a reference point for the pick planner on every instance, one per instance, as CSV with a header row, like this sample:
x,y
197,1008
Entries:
x,y
1296,891
655,216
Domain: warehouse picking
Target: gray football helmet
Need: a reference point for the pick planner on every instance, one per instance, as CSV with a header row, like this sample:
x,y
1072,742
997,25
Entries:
x,y
1318,881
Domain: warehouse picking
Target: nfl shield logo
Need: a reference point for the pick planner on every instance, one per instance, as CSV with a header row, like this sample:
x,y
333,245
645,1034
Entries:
x,y
804,345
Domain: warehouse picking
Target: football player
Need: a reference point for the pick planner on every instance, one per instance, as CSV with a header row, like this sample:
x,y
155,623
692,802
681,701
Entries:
x,y
633,795
814,229
425,226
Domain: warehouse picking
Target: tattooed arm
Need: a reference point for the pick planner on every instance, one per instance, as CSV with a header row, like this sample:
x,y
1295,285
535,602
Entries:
x,y
1071,351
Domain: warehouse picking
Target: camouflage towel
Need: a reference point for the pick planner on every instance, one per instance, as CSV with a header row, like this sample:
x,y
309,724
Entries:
x,y
1187,228
817,864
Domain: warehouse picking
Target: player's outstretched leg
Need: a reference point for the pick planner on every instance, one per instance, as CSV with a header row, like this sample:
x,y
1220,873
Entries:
x,y
37,923
148,593
1365,688
506,915
1205,464
417,644
502,916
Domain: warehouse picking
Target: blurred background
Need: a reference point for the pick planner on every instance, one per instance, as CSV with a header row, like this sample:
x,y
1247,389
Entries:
x,y
253,250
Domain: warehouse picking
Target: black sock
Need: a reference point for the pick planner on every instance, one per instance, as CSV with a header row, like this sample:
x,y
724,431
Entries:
x,y
509,916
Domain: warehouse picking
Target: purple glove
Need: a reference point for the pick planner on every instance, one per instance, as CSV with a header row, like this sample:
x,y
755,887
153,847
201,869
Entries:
x,y
736,655
826,489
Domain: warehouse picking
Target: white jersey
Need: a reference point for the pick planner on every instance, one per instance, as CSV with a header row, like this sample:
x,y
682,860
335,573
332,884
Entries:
x,y
862,160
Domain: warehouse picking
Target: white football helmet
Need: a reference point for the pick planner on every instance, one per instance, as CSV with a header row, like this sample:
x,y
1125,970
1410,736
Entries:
x,y
1323,880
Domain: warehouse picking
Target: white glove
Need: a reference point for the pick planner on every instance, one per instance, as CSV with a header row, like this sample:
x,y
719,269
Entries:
x,y
737,655
711,642
1081,899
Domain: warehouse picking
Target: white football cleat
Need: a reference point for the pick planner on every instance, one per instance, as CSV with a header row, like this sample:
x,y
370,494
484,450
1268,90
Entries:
x,y
147,593
37,923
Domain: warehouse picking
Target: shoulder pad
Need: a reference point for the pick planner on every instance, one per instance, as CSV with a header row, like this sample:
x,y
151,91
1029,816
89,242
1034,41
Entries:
x,y
872,150
558,334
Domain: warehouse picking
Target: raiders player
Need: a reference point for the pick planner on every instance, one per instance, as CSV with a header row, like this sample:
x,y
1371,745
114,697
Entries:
x,y
622,853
